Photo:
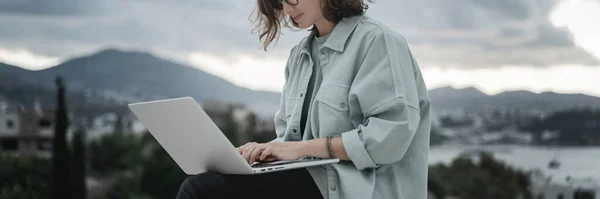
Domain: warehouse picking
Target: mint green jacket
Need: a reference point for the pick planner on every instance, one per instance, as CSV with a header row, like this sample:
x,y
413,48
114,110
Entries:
x,y
374,97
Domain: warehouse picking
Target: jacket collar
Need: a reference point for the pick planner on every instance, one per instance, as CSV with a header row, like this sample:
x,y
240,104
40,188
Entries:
x,y
338,37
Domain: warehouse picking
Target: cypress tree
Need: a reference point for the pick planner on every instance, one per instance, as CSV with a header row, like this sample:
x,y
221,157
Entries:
x,y
60,150
78,187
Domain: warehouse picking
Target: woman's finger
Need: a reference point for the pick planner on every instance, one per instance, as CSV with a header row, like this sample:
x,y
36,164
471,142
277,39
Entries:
x,y
265,154
241,148
257,151
247,151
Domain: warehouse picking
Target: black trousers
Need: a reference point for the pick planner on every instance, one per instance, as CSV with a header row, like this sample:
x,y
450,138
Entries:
x,y
296,183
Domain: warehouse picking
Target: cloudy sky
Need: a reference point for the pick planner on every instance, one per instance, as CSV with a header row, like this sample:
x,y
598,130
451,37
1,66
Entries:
x,y
494,45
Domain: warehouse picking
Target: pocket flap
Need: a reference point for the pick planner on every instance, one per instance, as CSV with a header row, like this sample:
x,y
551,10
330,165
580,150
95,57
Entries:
x,y
335,96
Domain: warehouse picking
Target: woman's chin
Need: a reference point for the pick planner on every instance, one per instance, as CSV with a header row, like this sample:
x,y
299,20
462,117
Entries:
x,y
304,26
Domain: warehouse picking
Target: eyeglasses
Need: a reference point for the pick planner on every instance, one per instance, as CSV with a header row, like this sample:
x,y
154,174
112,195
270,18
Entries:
x,y
289,2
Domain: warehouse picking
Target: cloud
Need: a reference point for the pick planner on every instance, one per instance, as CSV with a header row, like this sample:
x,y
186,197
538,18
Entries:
x,y
487,33
54,7
184,26
245,70
26,59
580,16
460,33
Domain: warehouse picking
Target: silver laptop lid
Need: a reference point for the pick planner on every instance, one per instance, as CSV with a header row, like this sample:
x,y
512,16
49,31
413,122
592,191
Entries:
x,y
189,136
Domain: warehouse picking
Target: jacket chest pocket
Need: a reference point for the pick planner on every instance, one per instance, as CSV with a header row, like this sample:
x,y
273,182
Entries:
x,y
332,102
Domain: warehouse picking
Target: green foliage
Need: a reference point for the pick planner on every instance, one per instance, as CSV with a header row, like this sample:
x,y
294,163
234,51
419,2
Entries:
x,y
24,177
488,178
115,152
154,175
229,128
125,186
436,186
161,176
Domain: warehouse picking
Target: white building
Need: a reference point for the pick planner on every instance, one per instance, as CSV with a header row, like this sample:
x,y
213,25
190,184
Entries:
x,y
26,132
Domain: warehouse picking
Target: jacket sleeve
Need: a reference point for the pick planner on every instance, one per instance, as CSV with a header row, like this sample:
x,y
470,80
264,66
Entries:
x,y
382,86
280,116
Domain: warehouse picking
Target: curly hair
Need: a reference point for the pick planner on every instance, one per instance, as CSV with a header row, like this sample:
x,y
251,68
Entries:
x,y
270,17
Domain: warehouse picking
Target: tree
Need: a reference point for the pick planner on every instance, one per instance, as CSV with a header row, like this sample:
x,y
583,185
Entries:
x,y
125,186
435,183
25,177
115,152
79,189
484,178
230,128
60,150
118,128
161,176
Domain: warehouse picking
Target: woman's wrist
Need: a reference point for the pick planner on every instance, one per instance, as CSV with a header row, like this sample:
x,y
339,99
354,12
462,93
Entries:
x,y
315,148
318,148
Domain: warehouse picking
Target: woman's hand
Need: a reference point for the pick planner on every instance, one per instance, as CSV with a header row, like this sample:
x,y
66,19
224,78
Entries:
x,y
251,151
266,152
283,151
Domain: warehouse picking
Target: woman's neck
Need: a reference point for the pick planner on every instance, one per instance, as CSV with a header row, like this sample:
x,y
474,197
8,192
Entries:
x,y
324,27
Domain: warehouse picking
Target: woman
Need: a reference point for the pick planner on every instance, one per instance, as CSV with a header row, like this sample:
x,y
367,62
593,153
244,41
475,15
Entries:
x,y
353,92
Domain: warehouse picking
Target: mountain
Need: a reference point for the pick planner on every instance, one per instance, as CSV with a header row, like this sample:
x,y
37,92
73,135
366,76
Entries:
x,y
14,70
11,86
138,76
117,77
448,98
18,91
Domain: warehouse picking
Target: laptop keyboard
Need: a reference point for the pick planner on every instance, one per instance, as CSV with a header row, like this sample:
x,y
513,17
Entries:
x,y
262,165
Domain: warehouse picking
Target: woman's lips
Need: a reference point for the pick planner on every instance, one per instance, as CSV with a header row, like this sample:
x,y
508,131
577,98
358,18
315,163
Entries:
x,y
297,17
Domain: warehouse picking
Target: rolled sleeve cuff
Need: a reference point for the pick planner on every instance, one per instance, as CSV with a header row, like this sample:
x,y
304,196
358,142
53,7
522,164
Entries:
x,y
356,150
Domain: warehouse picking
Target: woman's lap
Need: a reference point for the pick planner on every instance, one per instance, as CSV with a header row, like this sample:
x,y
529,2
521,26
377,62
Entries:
x,y
295,183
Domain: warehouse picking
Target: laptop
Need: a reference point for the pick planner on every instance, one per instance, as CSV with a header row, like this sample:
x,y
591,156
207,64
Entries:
x,y
197,145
